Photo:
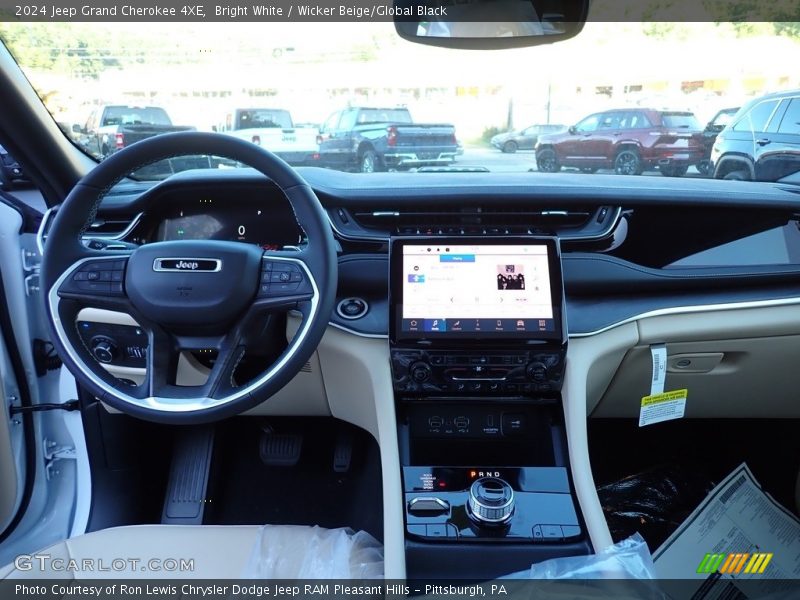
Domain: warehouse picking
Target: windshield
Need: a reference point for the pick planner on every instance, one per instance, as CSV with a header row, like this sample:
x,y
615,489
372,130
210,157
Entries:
x,y
619,98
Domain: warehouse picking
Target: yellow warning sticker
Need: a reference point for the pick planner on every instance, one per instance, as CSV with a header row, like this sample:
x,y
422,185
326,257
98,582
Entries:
x,y
663,407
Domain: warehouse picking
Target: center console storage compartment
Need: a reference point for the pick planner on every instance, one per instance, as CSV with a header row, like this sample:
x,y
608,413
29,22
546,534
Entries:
x,y
487,487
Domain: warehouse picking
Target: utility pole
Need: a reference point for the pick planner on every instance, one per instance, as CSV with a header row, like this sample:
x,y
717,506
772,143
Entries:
x,y
549,92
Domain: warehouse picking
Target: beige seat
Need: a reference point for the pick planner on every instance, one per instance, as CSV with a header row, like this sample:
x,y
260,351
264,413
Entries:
x,y
205,552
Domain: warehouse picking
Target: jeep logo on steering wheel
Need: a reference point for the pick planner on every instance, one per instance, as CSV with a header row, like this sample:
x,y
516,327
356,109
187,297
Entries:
x,y
188,265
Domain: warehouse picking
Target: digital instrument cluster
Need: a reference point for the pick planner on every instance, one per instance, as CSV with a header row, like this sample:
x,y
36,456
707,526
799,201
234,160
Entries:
x,y
248,222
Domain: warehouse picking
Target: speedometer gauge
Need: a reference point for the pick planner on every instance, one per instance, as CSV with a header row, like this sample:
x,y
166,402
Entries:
x,y
250,222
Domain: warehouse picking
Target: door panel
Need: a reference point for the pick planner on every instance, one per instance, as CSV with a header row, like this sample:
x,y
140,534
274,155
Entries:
x,y
44,446
10,488
580,146
777,150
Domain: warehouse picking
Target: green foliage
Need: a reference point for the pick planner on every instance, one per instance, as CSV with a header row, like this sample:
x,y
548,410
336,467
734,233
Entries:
x,y
61,47
490,132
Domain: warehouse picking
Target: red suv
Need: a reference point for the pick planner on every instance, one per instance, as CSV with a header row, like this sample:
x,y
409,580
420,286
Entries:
x,y
627,140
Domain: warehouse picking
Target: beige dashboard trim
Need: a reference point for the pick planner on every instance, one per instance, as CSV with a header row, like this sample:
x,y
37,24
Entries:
x,y
358,383
591,364
681,310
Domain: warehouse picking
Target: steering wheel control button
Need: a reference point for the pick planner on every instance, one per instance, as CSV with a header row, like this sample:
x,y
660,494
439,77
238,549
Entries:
x,y
352,308
491,501
97,277
281,279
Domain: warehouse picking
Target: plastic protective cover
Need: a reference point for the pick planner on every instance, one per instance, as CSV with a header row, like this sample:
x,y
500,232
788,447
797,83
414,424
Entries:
x,y
301,552
628,559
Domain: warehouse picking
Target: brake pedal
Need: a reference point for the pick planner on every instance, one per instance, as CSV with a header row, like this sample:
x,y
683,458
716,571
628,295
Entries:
x,y
280,449
343,452
188,477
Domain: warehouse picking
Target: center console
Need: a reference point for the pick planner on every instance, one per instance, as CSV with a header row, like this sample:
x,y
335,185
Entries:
x,y
478,345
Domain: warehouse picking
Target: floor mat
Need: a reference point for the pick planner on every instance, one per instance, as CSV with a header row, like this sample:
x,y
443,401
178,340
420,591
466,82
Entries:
x,y
245,491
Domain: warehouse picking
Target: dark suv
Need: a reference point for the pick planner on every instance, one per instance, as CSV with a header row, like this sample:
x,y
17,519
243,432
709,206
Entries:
x,y
627,140
710,133
762,143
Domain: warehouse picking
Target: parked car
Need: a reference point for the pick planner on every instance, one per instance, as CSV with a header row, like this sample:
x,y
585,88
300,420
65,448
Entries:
x,y
376,139
710,133
626,140
10,171
762,143
523,139
110,128
273,129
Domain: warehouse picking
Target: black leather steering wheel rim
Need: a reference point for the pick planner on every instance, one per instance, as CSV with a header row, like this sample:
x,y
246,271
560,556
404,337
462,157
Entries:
x,y
65,252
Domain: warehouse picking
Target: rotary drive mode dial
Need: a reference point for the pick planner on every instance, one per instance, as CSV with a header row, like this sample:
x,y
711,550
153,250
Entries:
x,y
491,501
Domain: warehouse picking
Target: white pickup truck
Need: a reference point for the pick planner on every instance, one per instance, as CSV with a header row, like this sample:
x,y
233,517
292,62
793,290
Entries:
x,y
273,129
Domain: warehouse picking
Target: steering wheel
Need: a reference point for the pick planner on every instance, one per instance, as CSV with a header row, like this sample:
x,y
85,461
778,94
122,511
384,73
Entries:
x,y
189,295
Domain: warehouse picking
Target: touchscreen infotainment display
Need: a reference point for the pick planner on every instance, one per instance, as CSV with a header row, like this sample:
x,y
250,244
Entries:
x,y
449,288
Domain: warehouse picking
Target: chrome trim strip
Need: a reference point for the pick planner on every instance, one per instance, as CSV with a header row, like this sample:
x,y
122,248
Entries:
x,y
40,238
48,215
355,238
159,269
354,317
445,506
176,405
681,310
774,110
121,235
375,336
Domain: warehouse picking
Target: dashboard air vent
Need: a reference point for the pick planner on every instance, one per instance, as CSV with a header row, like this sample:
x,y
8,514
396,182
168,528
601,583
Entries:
x,y
111,229
114,228
570,223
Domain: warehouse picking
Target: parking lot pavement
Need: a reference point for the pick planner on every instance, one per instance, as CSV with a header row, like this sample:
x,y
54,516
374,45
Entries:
x,y
523,161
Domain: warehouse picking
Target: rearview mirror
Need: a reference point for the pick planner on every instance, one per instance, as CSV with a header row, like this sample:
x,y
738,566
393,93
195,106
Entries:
x,y
77,128
572,130
486,24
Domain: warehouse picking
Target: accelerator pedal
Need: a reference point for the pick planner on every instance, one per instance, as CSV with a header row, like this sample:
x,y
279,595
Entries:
x,y
188,477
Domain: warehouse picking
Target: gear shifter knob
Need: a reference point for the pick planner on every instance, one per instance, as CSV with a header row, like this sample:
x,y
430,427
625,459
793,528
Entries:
x,y
491,501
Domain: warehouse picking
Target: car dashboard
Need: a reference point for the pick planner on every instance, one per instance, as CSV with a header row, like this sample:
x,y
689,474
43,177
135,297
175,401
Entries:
x,y
711,271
